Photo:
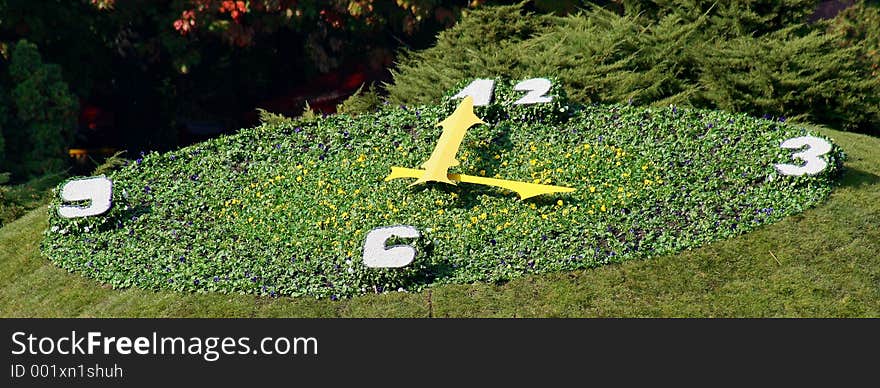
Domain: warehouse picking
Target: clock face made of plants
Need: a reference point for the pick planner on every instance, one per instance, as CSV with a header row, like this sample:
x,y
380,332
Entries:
x,y
500,180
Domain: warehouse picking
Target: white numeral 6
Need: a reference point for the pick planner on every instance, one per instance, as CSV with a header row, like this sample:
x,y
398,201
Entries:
x,y
815,147
97,191
377,255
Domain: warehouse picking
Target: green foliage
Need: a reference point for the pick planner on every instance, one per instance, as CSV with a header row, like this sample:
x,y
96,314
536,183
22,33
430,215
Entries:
x,y
284,209
17,200
112,163
727,18
707,59
44,115
360,102
860,24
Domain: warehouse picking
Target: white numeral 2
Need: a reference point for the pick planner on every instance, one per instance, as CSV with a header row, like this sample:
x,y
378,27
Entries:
x,y
377,255
97,190
480,90
816,147
537,89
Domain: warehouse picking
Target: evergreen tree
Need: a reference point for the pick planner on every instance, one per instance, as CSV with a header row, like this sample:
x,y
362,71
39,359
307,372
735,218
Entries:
x,y
44,115
700,58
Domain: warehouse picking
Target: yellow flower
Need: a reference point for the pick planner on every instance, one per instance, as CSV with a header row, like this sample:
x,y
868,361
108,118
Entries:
x,y
559,202
602,208
439,212
299,179
592,189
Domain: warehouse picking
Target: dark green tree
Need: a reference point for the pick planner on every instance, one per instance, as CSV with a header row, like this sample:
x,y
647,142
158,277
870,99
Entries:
x,y
43,115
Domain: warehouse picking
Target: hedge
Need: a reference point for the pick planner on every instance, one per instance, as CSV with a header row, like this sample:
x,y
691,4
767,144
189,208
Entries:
x,y
717,58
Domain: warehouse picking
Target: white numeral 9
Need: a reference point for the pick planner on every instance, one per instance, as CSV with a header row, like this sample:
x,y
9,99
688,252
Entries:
x,y
377,255
816,147
537,89
97,191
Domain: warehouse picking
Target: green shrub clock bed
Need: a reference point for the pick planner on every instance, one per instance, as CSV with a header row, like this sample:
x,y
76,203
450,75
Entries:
x,y
285,208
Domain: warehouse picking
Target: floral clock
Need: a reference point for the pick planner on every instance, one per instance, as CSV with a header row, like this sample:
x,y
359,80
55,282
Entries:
x,y
500,180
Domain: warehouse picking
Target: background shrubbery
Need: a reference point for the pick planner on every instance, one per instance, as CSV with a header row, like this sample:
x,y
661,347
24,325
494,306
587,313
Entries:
x,y
41,118
758,57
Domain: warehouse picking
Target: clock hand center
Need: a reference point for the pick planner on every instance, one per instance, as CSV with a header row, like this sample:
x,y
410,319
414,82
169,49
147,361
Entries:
x,y
523,189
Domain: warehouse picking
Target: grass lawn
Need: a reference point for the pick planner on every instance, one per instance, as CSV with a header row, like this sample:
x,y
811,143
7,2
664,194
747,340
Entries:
x,y
823,262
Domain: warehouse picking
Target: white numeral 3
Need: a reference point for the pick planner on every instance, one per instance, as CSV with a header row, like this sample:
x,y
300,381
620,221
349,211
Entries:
x,y
816,147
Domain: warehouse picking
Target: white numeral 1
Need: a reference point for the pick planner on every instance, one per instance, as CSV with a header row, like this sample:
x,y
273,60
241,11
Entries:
x,y
377,255
816,147
537,89
97,191
480,90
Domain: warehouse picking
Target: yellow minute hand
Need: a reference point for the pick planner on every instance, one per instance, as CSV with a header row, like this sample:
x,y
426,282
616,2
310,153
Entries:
x,y
436,169
443,157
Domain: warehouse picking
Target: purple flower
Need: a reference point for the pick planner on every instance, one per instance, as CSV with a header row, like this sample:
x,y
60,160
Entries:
x,y
334,297
297,130
139,160
172,157
182,259
194,177
216,279
254,279
170,280
196,282
148,189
